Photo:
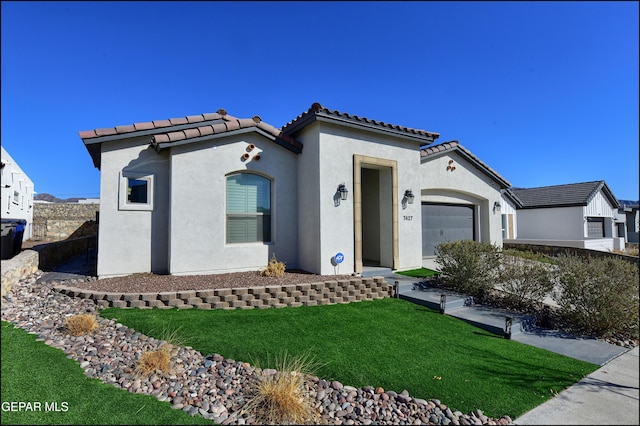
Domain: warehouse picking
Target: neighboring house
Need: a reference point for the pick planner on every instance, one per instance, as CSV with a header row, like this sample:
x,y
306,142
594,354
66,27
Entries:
x,y
461,197
17,193
579,215
630,214
328,193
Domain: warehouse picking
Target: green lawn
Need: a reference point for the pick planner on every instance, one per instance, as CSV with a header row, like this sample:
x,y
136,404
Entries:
x,y
390,343
419,273
35,373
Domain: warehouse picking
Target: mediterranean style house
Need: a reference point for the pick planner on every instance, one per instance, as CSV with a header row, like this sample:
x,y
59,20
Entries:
x,y
329,192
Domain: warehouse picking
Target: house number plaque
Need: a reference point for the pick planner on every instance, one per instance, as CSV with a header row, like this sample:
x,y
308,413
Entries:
x,y
407,217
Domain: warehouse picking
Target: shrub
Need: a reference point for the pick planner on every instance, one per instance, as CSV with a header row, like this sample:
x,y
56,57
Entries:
x,y
274,268
281,396
528,254
468,266
79,325
599,295
525,282
152,361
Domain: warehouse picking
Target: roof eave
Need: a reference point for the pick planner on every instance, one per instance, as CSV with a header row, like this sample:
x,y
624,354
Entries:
x,y
550,206
507,193
165,145
504,184
308,119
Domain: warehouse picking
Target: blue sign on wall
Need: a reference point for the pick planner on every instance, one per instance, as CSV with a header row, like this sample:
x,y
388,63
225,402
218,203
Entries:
x,y
339,257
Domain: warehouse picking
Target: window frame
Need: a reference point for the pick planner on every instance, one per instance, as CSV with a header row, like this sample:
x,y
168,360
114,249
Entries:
x,y
123,199
257,215
601,228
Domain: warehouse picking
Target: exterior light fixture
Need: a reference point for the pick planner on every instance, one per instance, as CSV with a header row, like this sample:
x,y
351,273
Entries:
x,y
496,206
342,189
409,196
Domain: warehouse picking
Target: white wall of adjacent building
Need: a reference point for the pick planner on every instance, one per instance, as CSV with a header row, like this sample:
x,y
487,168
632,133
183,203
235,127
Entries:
x,y
17,192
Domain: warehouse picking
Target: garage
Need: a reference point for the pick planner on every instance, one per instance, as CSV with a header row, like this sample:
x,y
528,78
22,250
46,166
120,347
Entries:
x,y
446,222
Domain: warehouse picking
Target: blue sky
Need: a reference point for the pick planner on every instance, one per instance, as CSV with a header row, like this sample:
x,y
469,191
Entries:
x,y
545,93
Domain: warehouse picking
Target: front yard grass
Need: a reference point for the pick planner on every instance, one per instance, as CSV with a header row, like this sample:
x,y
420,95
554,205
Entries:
x,y
419,273
390,343
60,394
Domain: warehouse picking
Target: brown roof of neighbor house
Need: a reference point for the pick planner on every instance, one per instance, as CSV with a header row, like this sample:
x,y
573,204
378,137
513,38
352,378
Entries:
x,y
454,145
173,131
319,112
568,195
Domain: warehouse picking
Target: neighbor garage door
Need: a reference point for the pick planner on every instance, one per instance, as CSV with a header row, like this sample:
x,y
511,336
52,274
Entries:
x,y
445,222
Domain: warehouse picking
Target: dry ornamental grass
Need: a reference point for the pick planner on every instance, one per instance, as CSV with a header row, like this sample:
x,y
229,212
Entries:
x,y
82,324
280,397
152,361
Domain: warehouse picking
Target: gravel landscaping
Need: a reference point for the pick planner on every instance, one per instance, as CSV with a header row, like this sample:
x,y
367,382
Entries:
x,y
207,385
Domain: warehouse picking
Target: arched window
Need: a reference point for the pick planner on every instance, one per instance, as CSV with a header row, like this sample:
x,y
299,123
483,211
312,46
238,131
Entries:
x,y
248,208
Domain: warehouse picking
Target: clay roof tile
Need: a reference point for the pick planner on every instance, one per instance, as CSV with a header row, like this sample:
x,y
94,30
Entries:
x,y
106,131
161,123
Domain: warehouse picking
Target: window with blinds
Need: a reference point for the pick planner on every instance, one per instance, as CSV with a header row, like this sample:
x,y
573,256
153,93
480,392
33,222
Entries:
x,y
248,208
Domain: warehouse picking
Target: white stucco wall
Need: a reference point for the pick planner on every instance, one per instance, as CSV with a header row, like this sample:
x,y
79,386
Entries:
x,y
561,223
327,161
15,179
132,241
198,205
464,185
567,223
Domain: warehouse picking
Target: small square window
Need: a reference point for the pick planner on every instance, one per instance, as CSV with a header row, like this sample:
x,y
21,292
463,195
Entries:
x,y
136,191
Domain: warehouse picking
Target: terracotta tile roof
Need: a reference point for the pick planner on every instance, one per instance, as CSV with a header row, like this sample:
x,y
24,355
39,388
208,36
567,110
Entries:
x,y
227,124
573,194
318,110
455,146
150,125
183,129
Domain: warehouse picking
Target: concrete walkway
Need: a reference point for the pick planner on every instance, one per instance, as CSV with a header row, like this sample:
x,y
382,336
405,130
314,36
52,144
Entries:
x,y
608,396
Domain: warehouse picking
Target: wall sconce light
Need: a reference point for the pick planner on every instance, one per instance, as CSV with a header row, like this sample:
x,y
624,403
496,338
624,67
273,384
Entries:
x,y
409,196
496,206
342,189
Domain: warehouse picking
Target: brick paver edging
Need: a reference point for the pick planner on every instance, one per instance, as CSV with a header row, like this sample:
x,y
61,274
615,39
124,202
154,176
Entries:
x,y
310,294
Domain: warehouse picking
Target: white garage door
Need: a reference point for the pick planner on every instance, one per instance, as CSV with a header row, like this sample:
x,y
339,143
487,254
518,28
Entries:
x,y
445,222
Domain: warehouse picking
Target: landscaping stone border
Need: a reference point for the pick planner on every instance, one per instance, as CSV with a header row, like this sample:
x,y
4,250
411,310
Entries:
x,y
18,267
275,296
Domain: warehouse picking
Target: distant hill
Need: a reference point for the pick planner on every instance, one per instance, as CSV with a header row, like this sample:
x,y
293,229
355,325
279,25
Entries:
x,y
53,199
629,203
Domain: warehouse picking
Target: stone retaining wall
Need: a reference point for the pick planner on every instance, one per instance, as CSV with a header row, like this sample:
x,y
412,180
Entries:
x,y
18,267
57,221
60,252
310,294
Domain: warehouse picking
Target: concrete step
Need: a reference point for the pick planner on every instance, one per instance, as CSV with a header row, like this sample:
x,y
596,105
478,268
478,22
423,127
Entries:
x,y
487,318
376,271
463,307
